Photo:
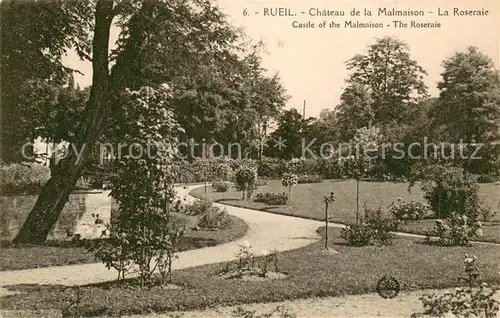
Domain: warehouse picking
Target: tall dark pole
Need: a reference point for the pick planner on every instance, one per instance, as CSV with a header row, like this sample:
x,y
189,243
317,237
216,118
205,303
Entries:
x,y
304,110
357,201
326,225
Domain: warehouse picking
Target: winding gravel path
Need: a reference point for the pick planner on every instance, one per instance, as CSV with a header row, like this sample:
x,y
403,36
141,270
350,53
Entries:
x,y
266,231
359,306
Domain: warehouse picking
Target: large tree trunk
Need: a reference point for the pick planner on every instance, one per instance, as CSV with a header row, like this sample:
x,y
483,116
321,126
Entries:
x,y
55,193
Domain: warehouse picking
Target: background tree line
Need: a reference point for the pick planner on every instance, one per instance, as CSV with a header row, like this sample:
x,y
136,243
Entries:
x,y
386,89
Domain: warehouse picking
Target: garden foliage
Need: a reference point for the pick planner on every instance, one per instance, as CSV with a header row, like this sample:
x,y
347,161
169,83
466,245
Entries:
x,y
456,230
245,179
214,219
475,300
209,217
294,165
312,178
450,190
289,180
221,186
413,210
142,234
26,178
374,228
248,263
270,198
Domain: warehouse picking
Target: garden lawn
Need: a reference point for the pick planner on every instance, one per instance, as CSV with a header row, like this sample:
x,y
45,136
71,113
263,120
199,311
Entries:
x,y
307,201
68,253
311,273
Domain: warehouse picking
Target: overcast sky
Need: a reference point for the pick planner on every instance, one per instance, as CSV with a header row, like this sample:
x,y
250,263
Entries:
x,y
311,61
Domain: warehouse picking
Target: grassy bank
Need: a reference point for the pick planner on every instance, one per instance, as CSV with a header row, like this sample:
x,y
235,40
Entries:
x,y
307,201
310,273
15,257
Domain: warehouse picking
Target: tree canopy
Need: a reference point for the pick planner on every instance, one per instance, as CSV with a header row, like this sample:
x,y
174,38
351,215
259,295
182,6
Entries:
x,y
35,84
468,107
393,79
188,45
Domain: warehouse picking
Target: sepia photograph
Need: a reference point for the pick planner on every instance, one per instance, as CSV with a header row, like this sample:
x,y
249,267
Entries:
x,y
250,158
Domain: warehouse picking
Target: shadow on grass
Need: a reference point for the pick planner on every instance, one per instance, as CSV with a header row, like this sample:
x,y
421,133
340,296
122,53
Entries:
x,y
28,288
311,273
270,208
312,238
435,243
267,209
51,243
60,253
232,203
187,243
127,283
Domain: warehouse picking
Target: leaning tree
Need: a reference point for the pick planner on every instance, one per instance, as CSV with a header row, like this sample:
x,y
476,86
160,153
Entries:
x,y
158,41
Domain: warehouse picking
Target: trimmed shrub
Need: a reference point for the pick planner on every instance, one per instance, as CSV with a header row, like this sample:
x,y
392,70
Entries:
x,y
295,165
23,178
236,164
245,179
289,180
327,168
357,235
413,210
272,198
374,229
451,189
221,186
214,219
313,178
381,225
308,166
222,170
196,170
208,216
457,230
198,207
271,168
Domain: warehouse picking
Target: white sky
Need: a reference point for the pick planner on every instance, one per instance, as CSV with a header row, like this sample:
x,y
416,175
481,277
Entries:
x,y
311,61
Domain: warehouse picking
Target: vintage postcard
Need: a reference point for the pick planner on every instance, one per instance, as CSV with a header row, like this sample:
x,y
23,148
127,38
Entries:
x,y
231,158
